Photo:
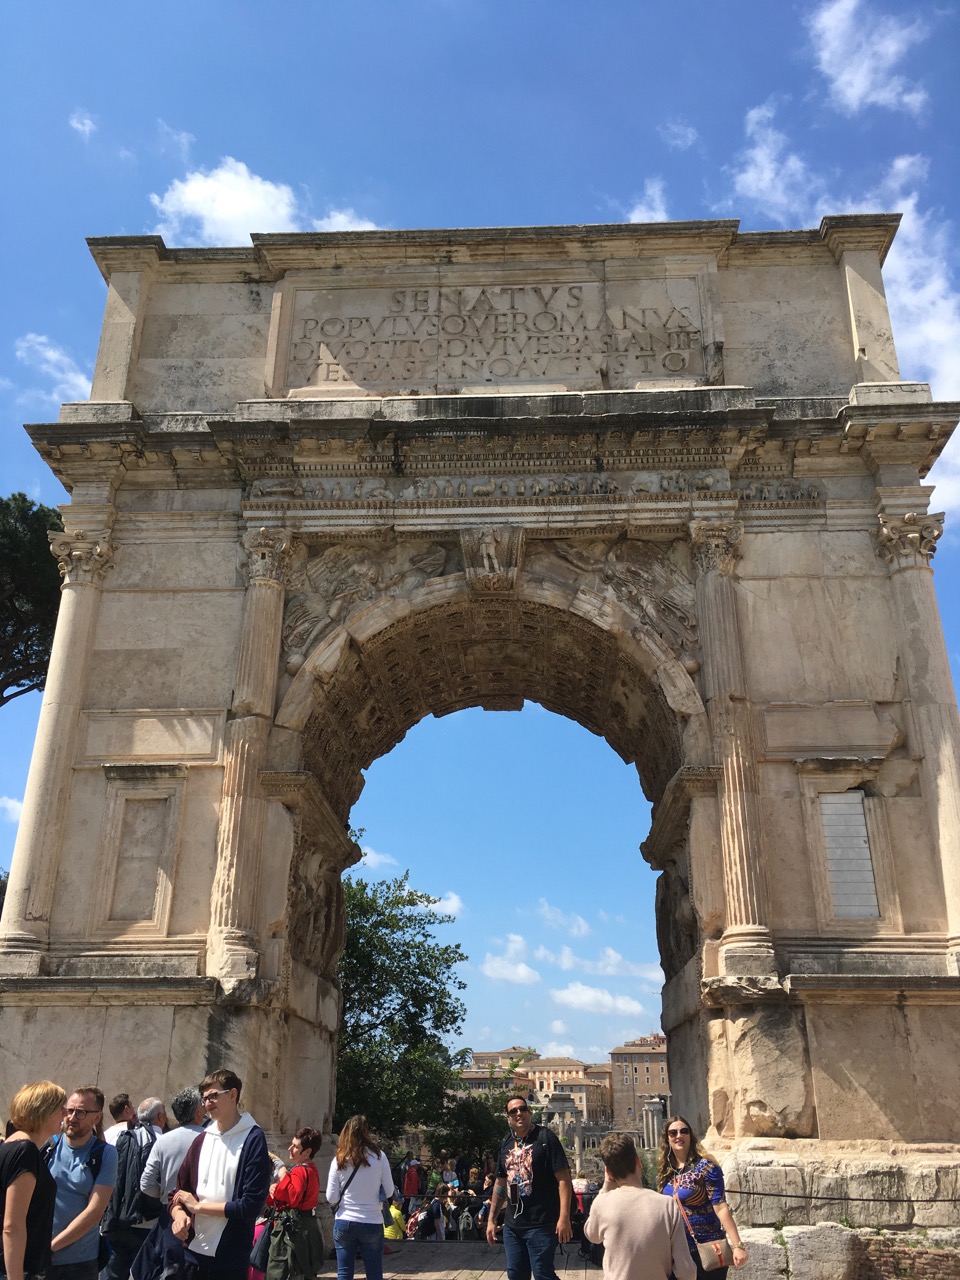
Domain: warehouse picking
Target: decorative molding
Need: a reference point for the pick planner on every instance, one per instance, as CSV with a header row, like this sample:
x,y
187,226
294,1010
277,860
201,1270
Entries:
x,y
268,554
82,557
910,540
716,545
492,556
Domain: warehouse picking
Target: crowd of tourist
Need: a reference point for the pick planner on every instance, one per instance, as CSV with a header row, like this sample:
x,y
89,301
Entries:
x,y
206,1200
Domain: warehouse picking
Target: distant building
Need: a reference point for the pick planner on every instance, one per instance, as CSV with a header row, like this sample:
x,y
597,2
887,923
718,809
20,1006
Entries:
x,y
638,1073
504,1057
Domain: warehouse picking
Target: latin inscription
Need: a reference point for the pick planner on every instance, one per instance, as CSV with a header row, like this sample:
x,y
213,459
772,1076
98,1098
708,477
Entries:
x,y
447,338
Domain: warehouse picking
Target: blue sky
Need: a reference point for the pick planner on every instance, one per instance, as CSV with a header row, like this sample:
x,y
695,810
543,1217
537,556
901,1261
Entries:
x,y
208,120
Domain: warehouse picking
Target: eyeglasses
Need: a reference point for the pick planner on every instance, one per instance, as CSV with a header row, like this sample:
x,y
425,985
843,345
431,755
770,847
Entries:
x,y
79,1112
516,1111
678,1133
212,1097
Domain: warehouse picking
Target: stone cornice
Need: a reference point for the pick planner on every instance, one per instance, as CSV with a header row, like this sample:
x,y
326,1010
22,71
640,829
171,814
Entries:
x,y
669,827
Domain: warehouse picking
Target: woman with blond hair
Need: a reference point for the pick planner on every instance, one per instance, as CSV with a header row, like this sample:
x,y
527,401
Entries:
x,y
695,1180
27,1191
358,1182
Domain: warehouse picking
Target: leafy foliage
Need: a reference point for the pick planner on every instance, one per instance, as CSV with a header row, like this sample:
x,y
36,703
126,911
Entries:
x,y
29,594
399,988
4,877
469,1125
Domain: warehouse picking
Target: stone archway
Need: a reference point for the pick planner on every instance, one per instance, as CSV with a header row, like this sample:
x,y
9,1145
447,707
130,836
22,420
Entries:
x,y
667,482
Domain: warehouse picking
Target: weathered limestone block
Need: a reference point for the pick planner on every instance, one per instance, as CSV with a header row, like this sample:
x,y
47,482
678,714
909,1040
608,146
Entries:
x,y
773,1092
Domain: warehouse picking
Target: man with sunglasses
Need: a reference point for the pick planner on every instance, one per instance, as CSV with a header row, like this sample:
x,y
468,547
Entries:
x,y
84,1169
533,1176
222,1185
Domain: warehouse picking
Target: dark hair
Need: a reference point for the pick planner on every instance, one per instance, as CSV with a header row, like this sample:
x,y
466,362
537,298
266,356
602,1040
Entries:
x,y
185,1103
310,1139
517,1097
119,1105
619,1155
223,1079
91,1088
355,1141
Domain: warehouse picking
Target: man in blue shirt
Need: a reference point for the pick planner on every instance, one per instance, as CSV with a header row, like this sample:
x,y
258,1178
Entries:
x,y
83,1188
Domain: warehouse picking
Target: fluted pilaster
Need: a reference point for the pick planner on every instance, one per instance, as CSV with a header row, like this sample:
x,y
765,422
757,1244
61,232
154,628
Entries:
x,y
907,543
746,944
234,940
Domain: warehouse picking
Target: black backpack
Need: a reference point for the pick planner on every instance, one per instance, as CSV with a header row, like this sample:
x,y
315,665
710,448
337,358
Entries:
x,y
128,1207
94,1159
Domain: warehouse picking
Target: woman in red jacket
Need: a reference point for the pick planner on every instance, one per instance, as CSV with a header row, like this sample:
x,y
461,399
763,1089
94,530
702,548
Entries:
x,y
296,1246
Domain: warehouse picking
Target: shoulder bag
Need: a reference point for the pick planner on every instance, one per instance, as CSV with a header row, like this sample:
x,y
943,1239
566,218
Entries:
x,y
714,1254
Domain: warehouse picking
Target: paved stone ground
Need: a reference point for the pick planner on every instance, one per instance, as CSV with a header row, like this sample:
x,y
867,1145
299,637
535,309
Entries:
x,y
467,1261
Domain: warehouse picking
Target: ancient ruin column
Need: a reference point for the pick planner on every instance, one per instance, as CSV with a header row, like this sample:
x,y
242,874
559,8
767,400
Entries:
x,y
234,945
907,544
84,557
746,945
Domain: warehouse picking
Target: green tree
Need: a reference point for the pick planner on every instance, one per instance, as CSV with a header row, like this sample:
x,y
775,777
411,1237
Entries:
x,y
399,987
29,594
4,876
470,1125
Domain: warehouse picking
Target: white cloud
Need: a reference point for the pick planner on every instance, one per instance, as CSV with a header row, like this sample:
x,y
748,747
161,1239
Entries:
x,y
224,205
511,966
175,140
69,382
373,861
652,206
343,220
768,174
10,809
451,904
858,49
569,922
82,123
596,1000
678,134
554,1049
558,1027
609,964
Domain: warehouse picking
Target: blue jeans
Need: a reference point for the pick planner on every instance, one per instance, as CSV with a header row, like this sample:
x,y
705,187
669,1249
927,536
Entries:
x,y
368,1237
530,1253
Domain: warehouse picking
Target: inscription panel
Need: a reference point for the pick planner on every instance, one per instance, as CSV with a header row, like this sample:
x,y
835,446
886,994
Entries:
x,y
576,335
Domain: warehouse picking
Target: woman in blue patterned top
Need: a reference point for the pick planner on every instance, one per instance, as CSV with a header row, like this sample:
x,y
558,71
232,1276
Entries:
x,y
697,1181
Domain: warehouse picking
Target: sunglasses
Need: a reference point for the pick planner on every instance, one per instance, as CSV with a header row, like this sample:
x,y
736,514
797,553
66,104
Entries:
x,y
516,1111
678,1133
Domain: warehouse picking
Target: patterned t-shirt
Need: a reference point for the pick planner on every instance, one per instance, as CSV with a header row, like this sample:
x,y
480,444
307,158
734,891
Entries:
x,y
530,1166
699,1188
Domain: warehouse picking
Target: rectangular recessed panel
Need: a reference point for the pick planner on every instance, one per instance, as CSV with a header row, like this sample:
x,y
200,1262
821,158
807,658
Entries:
x,y
849,865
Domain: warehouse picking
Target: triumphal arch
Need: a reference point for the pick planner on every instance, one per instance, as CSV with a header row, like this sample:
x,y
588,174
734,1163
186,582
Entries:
x,y
665,480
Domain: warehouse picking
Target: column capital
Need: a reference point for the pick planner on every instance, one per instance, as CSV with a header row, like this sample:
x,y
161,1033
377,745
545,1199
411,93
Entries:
x,y
83,557
909,541
716,545
268,554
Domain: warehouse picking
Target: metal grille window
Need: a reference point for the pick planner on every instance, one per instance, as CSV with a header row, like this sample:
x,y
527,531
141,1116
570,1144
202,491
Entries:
x,y
849,865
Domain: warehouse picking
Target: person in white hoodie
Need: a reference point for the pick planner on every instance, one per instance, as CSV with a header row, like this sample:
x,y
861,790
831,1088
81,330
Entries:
x,y
357,1184
222,1185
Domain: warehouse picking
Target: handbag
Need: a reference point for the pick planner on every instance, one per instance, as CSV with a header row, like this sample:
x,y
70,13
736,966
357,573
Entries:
x,y
261,1248
714,1254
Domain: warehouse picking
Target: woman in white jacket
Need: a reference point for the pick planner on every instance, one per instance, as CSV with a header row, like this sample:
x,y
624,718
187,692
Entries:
x,y
358,1174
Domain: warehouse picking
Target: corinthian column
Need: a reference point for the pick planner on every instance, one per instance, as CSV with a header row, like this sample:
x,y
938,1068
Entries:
x,y
84,558
907,544
234,944
745,946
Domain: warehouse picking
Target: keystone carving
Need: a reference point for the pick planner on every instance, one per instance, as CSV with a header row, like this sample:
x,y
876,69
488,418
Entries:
x,y
491,556
82,557
716,545
329,585
909,540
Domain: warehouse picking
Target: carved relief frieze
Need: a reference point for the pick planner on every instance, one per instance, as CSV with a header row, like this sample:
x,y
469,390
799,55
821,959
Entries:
x,y
492,556
82,557
909,540
642,577
326,587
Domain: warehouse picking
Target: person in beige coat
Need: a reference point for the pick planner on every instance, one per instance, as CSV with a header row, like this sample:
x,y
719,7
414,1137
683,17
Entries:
x,y
641,1232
